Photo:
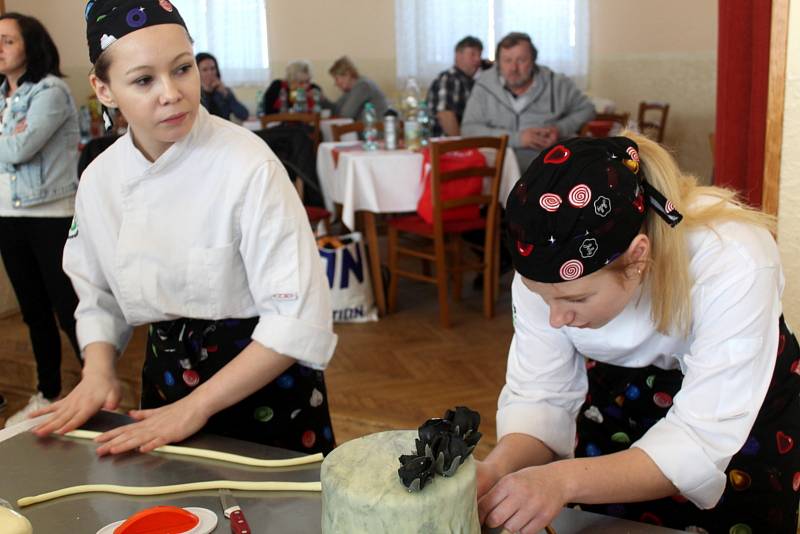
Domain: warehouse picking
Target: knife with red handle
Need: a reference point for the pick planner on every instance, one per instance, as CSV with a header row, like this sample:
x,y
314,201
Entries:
x,y
233,512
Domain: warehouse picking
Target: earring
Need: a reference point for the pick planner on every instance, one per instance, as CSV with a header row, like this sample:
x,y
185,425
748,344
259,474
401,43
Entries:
x,y
639,272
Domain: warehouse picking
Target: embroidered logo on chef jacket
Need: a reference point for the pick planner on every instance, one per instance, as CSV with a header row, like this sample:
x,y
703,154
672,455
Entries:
x,y
284,296
73,229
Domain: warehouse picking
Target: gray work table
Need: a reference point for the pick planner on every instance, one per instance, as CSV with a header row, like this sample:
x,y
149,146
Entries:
x,y
30,466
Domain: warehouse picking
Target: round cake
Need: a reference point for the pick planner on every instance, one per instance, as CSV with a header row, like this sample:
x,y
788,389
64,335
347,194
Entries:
x,y
362,492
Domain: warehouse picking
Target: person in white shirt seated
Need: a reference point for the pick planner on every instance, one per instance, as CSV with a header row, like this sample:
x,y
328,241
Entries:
x,y
651,375
190,224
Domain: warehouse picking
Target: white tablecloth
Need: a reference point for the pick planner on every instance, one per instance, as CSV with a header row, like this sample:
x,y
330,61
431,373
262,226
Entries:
x,y
327,134
383,181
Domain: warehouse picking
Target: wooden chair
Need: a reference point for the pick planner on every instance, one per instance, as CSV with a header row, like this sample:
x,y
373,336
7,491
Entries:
x,y
603,124
445,235
339,130
310,119
653,128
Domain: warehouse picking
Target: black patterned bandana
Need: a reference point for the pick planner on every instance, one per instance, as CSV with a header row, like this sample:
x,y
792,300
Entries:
x,y
109,20
578,207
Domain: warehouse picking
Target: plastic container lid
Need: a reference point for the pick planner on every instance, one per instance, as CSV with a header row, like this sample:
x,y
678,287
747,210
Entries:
x,y
159,520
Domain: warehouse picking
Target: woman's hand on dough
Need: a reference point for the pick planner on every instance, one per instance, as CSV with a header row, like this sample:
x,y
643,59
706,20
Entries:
x,y
98,389
155,428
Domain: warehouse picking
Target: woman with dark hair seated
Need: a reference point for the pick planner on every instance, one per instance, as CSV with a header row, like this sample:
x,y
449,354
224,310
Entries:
x,y
38,154
216,97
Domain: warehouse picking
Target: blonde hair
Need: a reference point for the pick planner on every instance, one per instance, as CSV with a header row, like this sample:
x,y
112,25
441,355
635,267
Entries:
x,y
668,273
296,69
343,66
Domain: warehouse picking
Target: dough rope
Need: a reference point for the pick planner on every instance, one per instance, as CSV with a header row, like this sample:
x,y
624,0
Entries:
x,y
216,455
175,488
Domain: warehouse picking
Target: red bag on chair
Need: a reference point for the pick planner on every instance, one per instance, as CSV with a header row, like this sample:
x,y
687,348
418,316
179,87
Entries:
x,y
461,187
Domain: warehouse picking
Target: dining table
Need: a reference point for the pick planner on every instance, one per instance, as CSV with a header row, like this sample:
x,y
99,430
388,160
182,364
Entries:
x,y
325,127
382,181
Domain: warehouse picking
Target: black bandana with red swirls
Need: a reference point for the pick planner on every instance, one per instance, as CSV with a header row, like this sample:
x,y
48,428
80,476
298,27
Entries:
x,y
578,207
109,20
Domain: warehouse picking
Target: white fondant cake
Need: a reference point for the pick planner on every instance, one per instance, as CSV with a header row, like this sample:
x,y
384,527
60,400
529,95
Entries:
x,y
362,492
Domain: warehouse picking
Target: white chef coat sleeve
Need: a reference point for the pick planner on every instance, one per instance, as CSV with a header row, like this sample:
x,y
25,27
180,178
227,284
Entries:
x,y
545,380
98,316
284,270
726,376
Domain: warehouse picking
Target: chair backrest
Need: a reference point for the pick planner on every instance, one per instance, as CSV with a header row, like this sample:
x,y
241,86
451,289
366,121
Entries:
x,y
340,130
654,127
494,172
603,124
310,119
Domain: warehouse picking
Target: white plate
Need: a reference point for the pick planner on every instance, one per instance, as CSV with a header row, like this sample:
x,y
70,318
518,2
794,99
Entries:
x,y
208,522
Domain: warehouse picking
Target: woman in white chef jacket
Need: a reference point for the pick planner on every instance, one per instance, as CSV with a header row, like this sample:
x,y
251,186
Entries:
x,y
651,375
190,224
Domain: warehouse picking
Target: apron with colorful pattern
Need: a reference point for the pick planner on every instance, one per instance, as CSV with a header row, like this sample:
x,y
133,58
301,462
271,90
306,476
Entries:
x,y
763,478
290,412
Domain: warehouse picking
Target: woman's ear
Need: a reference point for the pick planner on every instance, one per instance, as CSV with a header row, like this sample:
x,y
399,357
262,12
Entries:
x,y
103,91
638,253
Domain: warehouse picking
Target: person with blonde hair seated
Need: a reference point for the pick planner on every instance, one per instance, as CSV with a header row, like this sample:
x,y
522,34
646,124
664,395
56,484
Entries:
x,y
356,90
298,75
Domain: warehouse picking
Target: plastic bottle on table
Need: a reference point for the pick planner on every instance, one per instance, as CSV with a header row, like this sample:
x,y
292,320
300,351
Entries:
x,y
260,103
409,101
411,133
300,100
316,96
390,129
370,132
424,120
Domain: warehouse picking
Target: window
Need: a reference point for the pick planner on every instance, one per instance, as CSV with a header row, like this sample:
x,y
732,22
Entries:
x,y
427,30
235,32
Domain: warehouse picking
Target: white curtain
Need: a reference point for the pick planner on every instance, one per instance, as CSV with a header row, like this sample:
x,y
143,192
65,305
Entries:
x,y
427,30
235,32
559,30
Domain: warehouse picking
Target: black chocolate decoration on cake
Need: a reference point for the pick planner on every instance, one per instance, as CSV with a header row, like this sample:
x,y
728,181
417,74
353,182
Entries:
x,y
442,446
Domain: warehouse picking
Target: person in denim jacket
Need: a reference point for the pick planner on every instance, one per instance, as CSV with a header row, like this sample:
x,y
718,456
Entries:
x,y
38,161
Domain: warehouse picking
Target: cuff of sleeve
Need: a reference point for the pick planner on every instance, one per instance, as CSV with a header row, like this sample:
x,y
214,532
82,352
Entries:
x,y
102,330
550,424
513,140
684,463
311,345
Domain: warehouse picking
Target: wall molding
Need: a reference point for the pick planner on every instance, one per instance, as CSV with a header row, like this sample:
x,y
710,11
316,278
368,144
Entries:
x,y
776,93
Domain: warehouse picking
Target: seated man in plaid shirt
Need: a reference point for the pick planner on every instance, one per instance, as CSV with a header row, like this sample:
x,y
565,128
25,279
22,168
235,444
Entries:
x,y
448,94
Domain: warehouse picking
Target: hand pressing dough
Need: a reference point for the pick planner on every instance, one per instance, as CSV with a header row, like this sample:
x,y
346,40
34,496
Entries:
x,y
216,455
175,488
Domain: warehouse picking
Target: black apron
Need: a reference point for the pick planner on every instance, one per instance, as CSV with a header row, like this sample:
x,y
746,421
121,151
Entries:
x,y
763,478
290,412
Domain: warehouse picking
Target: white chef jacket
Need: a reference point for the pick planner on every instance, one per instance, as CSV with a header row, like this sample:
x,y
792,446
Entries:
x,y
727,361
212,229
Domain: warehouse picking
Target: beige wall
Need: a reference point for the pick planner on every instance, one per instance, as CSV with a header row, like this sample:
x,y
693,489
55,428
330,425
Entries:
x,y
362,29
654,51
64,20
789,217
325,31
